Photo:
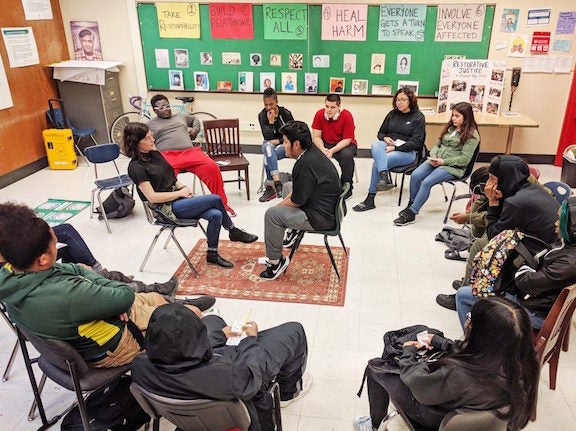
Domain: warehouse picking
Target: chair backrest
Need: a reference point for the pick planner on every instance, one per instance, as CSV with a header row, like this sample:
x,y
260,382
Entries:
x,y
57,352
471,163
222,137
103,153
560,190
472,420
340,209
57,121
193,415
557,323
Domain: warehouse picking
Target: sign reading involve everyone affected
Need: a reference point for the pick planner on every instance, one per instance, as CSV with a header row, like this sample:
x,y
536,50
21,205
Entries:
x,y
344,22
285,21
402,22
231,21
179,20
460,23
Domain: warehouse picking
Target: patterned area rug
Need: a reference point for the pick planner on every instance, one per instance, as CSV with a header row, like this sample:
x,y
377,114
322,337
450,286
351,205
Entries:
x,y
310,278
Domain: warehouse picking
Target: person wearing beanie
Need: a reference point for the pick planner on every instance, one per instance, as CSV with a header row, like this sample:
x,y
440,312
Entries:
x,y
536,289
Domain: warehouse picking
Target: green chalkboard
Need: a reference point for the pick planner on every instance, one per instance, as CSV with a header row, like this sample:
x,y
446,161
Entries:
x,y
426,56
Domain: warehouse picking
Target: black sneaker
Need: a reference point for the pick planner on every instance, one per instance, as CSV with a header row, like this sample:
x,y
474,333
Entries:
x,y
364,206
215,259
457,284
167,288
240,235
278,186
291,238
406,218
385,182
272,272
269,194
405,209
446,301
203,303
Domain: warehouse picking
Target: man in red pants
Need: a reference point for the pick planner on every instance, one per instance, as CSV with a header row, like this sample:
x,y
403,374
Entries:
x,y
175,143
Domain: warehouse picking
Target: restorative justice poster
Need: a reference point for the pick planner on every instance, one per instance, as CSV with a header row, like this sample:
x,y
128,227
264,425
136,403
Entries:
x,y
478,82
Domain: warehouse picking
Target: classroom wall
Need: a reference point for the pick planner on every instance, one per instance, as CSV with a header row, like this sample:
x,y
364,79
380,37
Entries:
x,y
541,96
21,144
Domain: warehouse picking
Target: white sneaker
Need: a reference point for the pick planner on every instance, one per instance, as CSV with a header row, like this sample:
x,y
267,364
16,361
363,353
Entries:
x,y
306,385
363,423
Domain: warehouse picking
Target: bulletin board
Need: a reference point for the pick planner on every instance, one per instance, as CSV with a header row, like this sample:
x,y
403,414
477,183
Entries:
x,y
426,56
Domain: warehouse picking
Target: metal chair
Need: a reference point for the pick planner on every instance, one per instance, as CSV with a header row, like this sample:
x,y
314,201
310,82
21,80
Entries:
x,y
99,154
560,190
339,216
456,420
408,169
58,119
60,362
223,146
201,414
155,217
463,179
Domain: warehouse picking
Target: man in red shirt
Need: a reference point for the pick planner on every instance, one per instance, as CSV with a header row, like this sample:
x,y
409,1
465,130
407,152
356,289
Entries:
x,y
333,133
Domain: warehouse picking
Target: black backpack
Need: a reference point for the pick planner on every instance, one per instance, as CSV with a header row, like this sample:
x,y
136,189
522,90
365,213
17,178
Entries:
x,y
119,204
112,407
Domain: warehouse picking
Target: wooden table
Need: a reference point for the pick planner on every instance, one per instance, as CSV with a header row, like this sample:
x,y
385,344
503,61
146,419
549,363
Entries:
x,y
522,120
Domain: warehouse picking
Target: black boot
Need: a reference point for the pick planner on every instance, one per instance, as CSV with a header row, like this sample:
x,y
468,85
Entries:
x,y
385,182
368,204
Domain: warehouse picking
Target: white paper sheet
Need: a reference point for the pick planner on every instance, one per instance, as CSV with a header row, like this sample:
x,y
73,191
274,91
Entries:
x,y
21,46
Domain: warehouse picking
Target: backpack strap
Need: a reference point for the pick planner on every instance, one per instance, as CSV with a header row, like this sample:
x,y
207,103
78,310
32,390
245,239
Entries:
x,y
131,326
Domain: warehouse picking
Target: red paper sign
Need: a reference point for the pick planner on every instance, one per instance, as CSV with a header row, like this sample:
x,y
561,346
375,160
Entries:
x,y
540,42
231,21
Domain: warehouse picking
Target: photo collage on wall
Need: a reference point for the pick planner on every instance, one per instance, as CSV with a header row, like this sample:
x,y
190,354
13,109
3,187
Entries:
x,y
479,82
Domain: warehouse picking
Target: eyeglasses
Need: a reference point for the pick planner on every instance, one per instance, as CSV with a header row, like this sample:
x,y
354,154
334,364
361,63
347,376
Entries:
x,y
402,100
162,107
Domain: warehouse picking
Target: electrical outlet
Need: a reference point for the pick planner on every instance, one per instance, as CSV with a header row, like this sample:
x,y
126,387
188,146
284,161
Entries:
x,y
248,126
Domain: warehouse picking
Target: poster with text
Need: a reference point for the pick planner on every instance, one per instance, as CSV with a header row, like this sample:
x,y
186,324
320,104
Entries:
x,y
344,22
178,20
460,23
399,22
5,95
285,21
20,46
231,20
478,82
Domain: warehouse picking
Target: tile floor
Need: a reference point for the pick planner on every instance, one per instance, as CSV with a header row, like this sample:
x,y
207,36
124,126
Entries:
x,y
394,276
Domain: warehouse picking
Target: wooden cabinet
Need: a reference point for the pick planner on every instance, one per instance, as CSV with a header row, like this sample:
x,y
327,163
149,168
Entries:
x,y
90,105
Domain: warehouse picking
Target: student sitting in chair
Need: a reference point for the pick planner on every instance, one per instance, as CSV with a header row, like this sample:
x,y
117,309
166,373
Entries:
x,y
68,302
187,358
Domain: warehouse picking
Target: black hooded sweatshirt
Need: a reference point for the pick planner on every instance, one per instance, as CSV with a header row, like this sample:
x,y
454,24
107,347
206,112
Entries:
x,y
524,206
179,362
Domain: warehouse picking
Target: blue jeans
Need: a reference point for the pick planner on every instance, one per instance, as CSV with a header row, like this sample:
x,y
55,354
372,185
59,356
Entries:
x,y
272,153
384,161
209,208
421,181
465,300
76,251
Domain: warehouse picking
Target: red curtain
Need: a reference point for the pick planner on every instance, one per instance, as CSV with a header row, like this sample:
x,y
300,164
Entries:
x,y
568,134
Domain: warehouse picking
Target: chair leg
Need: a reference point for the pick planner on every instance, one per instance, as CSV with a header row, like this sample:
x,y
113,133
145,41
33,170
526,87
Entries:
x,y
296,244
387,419
342,242
79,396
450,204
6,374
93,139
98,195
275,392
331,257
566,340
262,178
401,189
151,247
444,190
247,181
183,253
32,411
553,364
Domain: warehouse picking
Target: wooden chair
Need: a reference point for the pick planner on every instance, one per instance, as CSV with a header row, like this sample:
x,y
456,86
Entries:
x,y
223,146
555,332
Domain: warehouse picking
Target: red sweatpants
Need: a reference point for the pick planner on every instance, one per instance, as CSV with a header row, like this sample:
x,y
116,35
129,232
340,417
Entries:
x,y
196,161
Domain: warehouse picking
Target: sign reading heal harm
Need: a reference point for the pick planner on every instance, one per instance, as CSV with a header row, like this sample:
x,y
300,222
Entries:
x,y
285,21
231,21
180,20
402,22
460,23
344,22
